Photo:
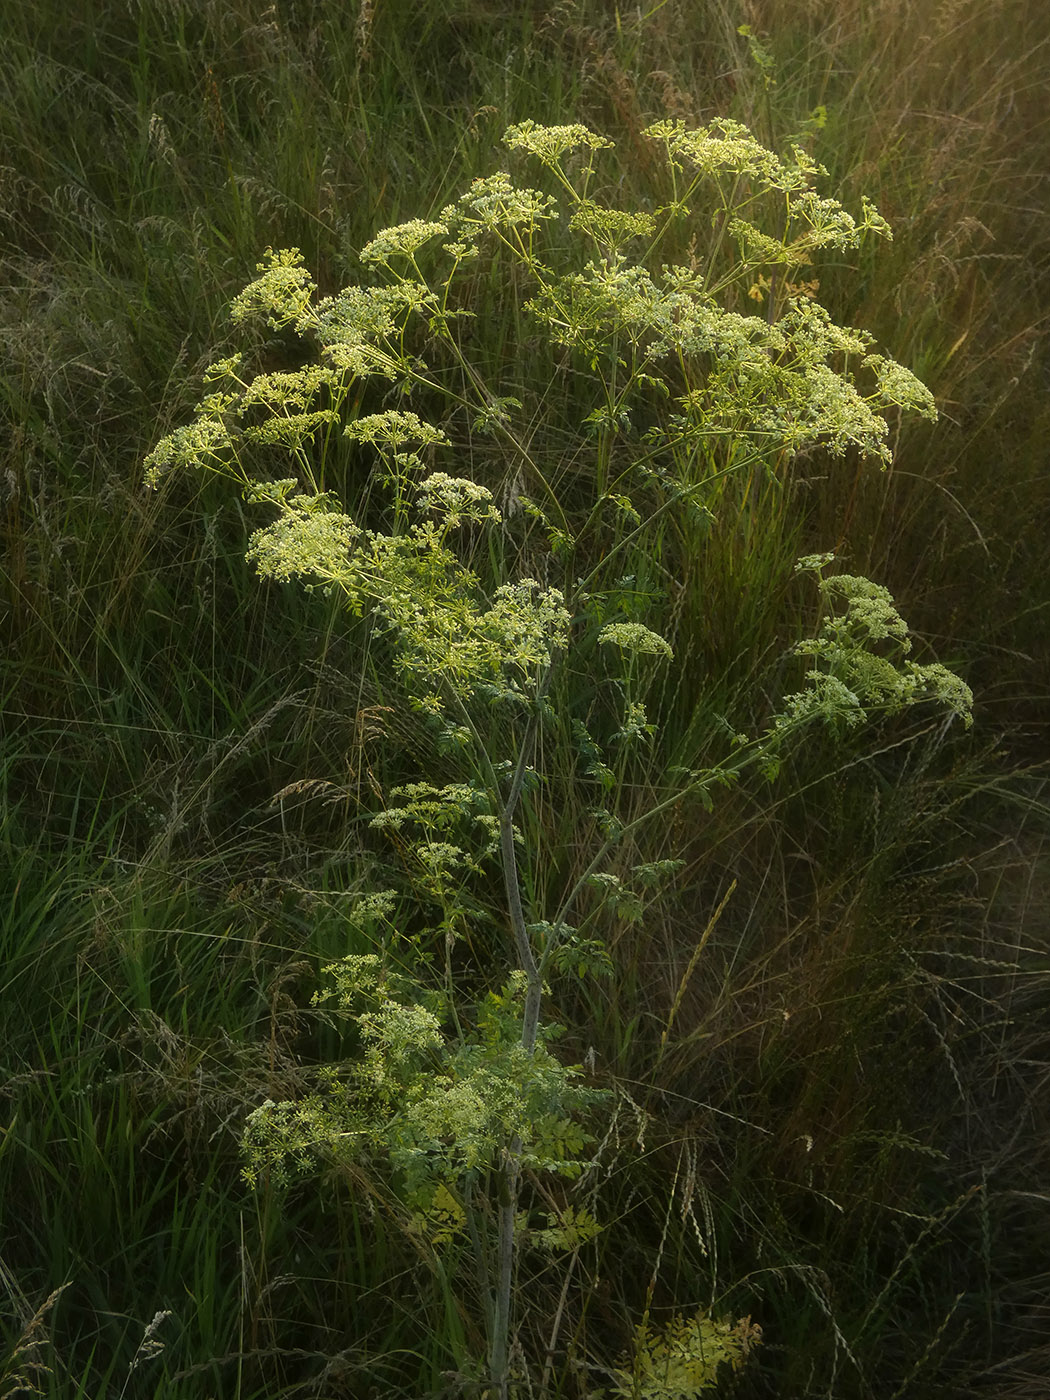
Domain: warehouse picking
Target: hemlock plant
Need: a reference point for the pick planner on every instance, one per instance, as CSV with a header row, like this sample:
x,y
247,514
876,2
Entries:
x,y
480,585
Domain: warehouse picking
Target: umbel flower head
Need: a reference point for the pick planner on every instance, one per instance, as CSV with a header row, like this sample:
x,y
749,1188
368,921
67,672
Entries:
x,y
634,637
549,143
280,294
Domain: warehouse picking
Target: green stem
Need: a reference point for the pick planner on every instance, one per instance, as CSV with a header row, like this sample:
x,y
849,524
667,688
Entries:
x,y
510,1168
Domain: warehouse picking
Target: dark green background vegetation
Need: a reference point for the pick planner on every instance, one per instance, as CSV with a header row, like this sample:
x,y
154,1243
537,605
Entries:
x,y
846,1135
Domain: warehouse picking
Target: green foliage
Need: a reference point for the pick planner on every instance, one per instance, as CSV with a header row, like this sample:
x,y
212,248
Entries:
x,y
685,1357
434,1105
860,659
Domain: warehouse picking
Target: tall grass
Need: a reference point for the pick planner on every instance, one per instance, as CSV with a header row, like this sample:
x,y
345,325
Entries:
x,y
830,1118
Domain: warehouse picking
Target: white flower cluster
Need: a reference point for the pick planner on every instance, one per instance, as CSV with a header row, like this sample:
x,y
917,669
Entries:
x,y
456,499
401,241
634,637
727,147
494,204
304,544
610,228
202,443
280,295
295,389
549,143
394,429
